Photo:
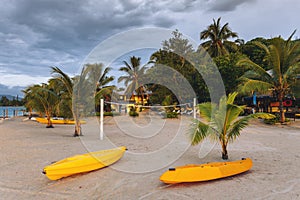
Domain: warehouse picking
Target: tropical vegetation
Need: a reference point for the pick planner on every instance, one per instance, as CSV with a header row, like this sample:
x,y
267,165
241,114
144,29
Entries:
x,y
266,66
223,122
43,99
283,58
133,77
217,36
70,97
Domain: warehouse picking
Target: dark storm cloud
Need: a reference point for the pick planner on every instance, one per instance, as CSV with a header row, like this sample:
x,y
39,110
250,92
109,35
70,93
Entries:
x,y
52,28
36,34
14,91
226,5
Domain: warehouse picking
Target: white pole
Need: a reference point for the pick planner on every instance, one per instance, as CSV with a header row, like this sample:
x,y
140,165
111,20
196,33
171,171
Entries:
x,y
101,118
195,102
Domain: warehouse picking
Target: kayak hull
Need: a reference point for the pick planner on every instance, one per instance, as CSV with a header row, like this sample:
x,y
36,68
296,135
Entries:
x,y
57,121
83,163
205,172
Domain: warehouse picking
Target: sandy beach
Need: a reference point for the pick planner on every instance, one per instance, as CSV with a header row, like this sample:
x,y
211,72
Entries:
x,y
27,147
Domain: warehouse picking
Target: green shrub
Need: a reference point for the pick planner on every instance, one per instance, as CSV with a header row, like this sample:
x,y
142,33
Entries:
x,y
171,115
133,113
275,120
108,114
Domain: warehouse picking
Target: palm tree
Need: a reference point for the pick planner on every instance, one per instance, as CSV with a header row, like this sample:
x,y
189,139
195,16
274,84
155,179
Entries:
x,y
284,60
42,98
81,90
223,123
134,76
68,83
217,35
103,90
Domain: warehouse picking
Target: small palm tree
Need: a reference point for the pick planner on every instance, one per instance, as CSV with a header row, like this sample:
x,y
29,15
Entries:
x,y
223,123
42,98
134,75
217,35
283,57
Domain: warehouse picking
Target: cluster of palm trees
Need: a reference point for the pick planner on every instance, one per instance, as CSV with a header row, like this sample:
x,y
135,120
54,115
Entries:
x,y
283,60
281,56
70,97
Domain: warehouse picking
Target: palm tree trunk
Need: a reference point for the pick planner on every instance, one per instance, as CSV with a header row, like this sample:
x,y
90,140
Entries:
x,y
77,131
49,123
280,99
224,151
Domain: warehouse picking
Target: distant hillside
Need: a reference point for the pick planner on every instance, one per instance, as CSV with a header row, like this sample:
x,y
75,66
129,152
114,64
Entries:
x,y
10,97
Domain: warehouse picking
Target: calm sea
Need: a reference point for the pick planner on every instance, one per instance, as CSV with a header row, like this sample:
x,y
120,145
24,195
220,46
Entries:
x,y
11,111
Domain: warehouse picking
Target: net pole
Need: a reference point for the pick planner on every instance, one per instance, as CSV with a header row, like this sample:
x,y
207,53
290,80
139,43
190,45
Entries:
x,y
101,118
195,102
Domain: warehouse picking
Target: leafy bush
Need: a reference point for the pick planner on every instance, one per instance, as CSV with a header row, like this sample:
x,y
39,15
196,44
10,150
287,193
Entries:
x,y
108,114
274,120
171,115
133,113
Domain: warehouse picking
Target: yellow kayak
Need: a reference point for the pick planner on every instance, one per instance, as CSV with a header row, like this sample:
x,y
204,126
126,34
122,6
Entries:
x,y
57,121
83,163
205,172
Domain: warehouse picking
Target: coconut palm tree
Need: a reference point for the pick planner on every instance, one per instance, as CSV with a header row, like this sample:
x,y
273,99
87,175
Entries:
x,y
82,89
134,75
43,99
223,124
103,90
217,35
283,57
68,83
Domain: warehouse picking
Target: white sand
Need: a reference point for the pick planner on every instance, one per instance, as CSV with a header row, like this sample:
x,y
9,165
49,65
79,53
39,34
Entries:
x,y
26,147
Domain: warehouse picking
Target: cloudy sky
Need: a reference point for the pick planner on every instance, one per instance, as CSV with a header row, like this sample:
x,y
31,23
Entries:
x,y
36,34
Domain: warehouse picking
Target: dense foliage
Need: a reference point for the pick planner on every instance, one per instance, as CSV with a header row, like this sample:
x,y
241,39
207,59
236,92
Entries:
x,y
15,101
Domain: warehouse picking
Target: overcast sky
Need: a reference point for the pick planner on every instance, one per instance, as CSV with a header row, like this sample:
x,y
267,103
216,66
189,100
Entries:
x,y
36,34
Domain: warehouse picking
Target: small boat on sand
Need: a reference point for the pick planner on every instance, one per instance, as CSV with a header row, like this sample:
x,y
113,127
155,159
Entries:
x,y
205,172
57,121
83,163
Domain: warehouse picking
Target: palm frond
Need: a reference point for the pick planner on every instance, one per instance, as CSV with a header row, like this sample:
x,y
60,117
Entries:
x,y
275,60
64,78
198,131
231,97
233,111
206,110
246,62
240,124
250,85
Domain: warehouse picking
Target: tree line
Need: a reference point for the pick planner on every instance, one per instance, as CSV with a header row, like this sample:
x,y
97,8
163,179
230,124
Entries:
x,y
15,101
259,65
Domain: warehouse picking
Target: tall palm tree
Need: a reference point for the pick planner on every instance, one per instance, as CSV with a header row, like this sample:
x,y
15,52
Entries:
x,y
217,35
68,83
283,57
223,122
82,89
103,90
134,75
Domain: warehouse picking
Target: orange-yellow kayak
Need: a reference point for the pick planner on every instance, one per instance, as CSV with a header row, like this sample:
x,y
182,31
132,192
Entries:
x,y
83,163
205,172
57,121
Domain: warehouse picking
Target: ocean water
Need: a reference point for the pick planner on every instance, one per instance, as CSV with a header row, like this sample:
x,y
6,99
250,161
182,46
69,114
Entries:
x,y
11,111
